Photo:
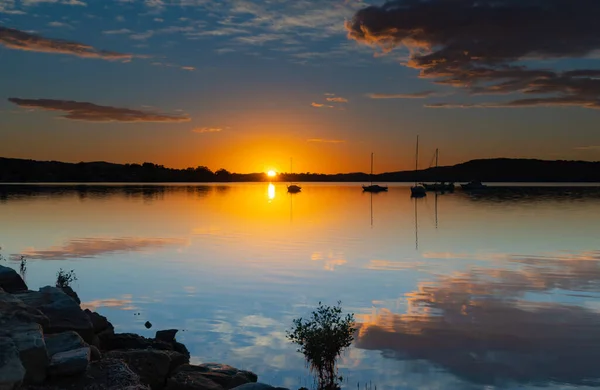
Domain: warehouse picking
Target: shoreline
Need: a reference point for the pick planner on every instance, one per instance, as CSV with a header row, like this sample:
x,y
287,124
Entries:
x,y
48,342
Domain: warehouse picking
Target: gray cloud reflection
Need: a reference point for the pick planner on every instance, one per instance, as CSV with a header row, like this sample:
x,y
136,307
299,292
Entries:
x,y
487,326
91,247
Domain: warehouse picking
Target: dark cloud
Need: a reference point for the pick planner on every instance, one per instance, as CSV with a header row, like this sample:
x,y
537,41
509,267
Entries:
x,y
85,111
92,247
21,40
485,45
483,325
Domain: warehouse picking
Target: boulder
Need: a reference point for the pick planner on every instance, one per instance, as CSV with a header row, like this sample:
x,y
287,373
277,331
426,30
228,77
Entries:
x,y
167,336
177,360
109,342
95,353
225,376
70,292
190,380
63,342
12,372
29,341
63,312
150,364
70,363
11,281
182,349
99,322
13,310
258,386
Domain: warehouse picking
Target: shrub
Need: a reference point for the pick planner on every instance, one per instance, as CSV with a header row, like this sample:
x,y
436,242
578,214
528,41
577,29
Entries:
x,y
65,278
322,338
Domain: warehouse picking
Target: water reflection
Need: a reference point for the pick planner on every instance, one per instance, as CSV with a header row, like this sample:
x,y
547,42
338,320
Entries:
x,y
271,192
485,325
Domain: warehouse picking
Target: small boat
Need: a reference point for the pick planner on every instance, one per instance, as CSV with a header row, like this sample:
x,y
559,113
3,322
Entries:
x,y
293,188
417,191
438,186
474,185
374,188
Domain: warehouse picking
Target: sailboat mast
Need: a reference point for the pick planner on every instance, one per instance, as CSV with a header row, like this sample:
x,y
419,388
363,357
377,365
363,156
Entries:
x,y
371,168
417,160
437,153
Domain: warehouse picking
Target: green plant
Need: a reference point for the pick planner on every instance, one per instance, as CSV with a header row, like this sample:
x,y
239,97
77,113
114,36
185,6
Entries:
x,y
65,278
322,338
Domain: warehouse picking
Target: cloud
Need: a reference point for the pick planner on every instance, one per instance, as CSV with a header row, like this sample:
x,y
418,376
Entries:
x,y
190,68
59,24
416,95
85,111
20,40
337,99
491,47
329,94
589,147
327,141
116,32
207,130
92,247
319,105
124,304
485,326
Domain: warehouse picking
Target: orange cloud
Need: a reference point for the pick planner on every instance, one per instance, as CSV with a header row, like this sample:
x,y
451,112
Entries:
x,y
328,141
207,130
84,111
337,99
416,95
319,105
21,40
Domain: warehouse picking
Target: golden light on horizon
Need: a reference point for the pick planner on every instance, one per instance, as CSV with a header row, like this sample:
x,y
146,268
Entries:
x,y
271,173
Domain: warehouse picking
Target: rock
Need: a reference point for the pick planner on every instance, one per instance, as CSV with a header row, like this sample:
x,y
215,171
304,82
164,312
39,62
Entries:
x,y
12,372
166,335
99,322
148,325
70,292
109,342
182,349
225,376
177,360
11,281
150,364
63,342
70,362
106,374
95,353
63,312
258,386
29,341
12,310
190,380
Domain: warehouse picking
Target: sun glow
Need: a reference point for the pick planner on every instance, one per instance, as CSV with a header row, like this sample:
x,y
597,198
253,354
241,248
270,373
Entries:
x,y
271,173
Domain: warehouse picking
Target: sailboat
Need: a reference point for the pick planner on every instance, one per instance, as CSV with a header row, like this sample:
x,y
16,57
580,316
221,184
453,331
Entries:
x,y
437,186
373,187
417,191
293,188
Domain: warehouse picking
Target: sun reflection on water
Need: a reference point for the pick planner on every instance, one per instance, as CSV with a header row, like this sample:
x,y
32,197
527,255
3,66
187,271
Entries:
x,y
271,192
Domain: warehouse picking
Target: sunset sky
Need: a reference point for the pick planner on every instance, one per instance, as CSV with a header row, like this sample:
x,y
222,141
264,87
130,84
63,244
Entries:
x,y
247,84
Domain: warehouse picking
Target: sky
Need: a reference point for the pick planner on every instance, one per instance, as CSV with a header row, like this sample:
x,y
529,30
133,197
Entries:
x,y
247,85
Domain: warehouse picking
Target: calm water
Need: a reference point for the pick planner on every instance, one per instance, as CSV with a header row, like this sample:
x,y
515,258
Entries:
x,y
453,292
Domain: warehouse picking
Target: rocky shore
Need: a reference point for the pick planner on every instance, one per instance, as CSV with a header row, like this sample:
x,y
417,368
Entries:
x,y
47,342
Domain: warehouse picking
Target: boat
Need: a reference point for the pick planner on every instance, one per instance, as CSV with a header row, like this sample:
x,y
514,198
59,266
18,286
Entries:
x,y
374,188
417,191
474,185
293,188
438,186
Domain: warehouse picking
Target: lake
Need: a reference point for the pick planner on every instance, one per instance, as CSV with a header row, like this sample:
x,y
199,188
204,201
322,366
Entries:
x,y
454,291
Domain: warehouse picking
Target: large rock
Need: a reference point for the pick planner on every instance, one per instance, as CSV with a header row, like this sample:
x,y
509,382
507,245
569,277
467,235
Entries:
x,y
106,374
167,335
70,362
12,372
109,342
190,380
150,364
258,386
63,342
11,281
99,322
225,376
13,310
63,312
70,292
29,341
177,360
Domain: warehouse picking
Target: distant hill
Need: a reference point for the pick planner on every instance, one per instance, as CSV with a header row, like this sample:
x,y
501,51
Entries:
x,y
487,170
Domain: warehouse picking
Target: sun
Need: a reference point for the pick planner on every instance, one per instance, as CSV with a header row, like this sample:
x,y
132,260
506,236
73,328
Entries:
x,y
271,173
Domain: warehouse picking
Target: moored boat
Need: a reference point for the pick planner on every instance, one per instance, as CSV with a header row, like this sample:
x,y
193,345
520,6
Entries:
x,y
474,185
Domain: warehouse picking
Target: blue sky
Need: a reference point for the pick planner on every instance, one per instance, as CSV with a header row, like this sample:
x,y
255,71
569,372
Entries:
x,y
245,85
